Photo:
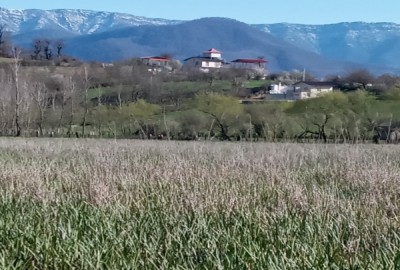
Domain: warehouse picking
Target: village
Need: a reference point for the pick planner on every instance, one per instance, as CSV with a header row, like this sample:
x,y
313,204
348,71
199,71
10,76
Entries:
x,y
211,61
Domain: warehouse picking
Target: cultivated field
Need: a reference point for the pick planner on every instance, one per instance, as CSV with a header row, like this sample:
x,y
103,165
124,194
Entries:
x,y
104,204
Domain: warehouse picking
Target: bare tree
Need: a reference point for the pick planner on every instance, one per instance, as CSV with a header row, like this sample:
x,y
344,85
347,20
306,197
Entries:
x,y
86,84
4,41
47,49
70,92
361,77
15,67
37,48
39,95
59,44
6,102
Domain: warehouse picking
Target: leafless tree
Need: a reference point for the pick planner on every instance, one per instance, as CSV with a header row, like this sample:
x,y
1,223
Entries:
x,y
4,40
59,44
39,96
47,49
69,94
6,102
37,48
15,67
360,77
86,85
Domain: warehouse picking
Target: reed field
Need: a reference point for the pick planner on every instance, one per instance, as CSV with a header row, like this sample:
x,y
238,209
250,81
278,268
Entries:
x,y
126,204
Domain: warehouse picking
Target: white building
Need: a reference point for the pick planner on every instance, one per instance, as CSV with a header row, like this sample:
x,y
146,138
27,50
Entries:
x,y
303,90
211,59
275,89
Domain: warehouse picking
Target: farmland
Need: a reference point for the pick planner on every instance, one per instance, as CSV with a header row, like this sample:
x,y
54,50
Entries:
x,y
127,204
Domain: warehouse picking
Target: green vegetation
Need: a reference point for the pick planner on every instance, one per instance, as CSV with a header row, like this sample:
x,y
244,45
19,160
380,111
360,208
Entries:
x,y
106,204
127,101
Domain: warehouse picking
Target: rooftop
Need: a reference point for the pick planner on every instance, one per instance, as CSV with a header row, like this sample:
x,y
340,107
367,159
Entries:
x,y
315,83
250,61
157,58
205,58
212,50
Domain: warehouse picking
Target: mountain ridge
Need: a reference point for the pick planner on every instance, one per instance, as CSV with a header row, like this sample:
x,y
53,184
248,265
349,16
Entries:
x,y
80,21
370,45
235,39
356,41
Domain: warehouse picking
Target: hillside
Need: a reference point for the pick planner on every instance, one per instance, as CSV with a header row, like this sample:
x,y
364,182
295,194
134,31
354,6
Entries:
x,y
235,39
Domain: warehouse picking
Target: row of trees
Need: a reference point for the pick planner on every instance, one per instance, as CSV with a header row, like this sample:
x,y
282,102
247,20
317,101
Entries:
x,y
45,48
126,101
41,48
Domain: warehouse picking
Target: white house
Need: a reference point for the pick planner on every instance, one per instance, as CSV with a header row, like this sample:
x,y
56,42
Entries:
x,y
276,89
304,89
211,59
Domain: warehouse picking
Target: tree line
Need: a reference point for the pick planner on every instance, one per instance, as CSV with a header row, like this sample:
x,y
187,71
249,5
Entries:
x,y
127,101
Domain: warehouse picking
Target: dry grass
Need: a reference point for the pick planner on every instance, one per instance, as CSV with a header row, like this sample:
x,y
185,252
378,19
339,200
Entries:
x,y
200,205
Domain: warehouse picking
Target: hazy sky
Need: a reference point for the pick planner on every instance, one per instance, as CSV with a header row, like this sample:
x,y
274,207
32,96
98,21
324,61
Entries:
x,y
249,11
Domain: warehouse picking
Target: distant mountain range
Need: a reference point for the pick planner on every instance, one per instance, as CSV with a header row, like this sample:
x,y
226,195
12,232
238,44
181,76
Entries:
x,y
106,36
372,44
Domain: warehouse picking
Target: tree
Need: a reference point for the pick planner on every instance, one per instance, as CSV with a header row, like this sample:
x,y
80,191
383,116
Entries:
x,y
6,102
361,77
4,41
193,124
269,120
66,91
15,67
39,96
37,48
386,82
140,113
47,49
316,114
59,44
2,34
69,94
105,116
85,85
222,110
361,120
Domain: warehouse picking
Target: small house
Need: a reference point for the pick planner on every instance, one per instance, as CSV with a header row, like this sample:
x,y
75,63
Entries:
x,y
157,63
311,89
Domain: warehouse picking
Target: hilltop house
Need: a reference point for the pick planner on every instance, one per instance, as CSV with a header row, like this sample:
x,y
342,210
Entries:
x,y
305,89
211,59
256,67
157,63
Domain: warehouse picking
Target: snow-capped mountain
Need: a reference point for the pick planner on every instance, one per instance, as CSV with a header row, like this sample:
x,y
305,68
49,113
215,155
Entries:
x,y
370,43
375,46
77,22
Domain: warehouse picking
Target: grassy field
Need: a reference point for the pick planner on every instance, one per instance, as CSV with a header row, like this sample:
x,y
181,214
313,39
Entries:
x,y
104,204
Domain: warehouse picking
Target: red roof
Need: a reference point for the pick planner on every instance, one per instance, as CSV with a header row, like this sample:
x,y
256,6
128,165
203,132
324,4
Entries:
x,y
157,58
212,50
250,61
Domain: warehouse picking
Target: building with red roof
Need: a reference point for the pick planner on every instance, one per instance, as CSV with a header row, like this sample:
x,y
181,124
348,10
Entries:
x,y
157,63
256,66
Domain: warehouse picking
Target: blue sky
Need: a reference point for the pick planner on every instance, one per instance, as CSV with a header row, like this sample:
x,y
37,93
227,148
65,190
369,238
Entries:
x,y
249,11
